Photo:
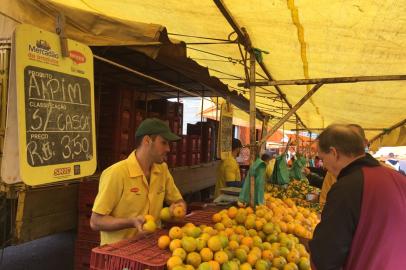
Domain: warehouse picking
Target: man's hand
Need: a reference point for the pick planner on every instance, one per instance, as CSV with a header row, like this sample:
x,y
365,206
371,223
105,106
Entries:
x,y
306,171
180,203
138,222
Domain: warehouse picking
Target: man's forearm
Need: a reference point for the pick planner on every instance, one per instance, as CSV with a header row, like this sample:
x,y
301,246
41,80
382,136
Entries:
x,y
109,223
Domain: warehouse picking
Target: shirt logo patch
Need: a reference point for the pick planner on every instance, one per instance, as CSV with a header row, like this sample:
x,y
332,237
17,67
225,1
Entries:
x,y
134,189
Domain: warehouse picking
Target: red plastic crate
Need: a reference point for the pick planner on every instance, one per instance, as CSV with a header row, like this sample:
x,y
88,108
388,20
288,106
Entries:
x,y
171,160
182,144
181,160
83,250
132,254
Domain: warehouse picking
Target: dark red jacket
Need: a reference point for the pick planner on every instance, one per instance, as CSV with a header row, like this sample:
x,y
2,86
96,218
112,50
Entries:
x,y
363,224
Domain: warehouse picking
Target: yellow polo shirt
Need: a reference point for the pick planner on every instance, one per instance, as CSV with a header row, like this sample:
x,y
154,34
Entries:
x,y
228,170
328,181
124,192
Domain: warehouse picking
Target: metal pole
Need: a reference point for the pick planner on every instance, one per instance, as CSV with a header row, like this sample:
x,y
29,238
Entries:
x,y
401,123
321,129
253,148
291,111
330,80
297,138
217,108
201,111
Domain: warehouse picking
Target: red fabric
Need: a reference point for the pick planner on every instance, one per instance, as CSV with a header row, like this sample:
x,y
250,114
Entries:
x,y
380,238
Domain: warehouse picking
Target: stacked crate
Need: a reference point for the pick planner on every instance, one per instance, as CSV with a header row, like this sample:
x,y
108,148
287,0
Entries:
x,y
86,238
117,121
182,151
193,150
172,113
206,130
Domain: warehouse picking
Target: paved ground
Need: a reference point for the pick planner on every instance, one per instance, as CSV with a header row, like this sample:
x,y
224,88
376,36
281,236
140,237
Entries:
x,y
54,252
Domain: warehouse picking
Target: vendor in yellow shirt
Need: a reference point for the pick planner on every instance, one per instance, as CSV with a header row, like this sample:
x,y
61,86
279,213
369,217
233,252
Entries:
x,y
229,170
136,186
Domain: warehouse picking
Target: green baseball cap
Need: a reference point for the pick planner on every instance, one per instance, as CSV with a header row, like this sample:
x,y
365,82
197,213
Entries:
x,y
155,126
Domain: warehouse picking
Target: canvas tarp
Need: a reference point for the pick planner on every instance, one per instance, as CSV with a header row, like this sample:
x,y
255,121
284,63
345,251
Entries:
x,y
305,39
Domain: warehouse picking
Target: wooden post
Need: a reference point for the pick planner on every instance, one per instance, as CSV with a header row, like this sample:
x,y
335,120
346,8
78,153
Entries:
x,y
253,148
335,80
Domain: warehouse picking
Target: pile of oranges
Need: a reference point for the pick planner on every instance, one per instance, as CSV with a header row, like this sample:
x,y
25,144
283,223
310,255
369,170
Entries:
x,y
291,218
240,239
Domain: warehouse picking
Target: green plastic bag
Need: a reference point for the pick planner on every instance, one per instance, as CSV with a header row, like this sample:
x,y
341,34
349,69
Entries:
x,y
257,169
280,174
296,172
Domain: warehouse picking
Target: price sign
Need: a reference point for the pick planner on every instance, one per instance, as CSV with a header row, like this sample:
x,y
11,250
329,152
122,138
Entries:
x,y
54,97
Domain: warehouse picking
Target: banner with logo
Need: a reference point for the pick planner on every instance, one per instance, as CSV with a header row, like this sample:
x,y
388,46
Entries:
x,y
51,121
225,131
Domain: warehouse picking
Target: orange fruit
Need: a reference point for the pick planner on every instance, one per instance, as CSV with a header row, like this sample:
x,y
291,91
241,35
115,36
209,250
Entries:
x,y
240,229
216,218
206,254
241,255
214,243
173,261
176,243
214,265
180,252
229,231
245,266
259,225
149,217
279,262
149,226
220,257
232,244
244,247
252,258
189,243
175,233
247,241
293,256
163,241
232,211
193,259
179,212
165,214
304,263
267,255
249,210
261,265
219,226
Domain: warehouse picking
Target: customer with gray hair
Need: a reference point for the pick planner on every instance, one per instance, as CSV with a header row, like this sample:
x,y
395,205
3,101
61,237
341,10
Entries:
x,y
362,223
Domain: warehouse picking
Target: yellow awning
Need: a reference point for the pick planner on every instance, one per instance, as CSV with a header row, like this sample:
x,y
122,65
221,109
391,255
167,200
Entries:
x,y
305,39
